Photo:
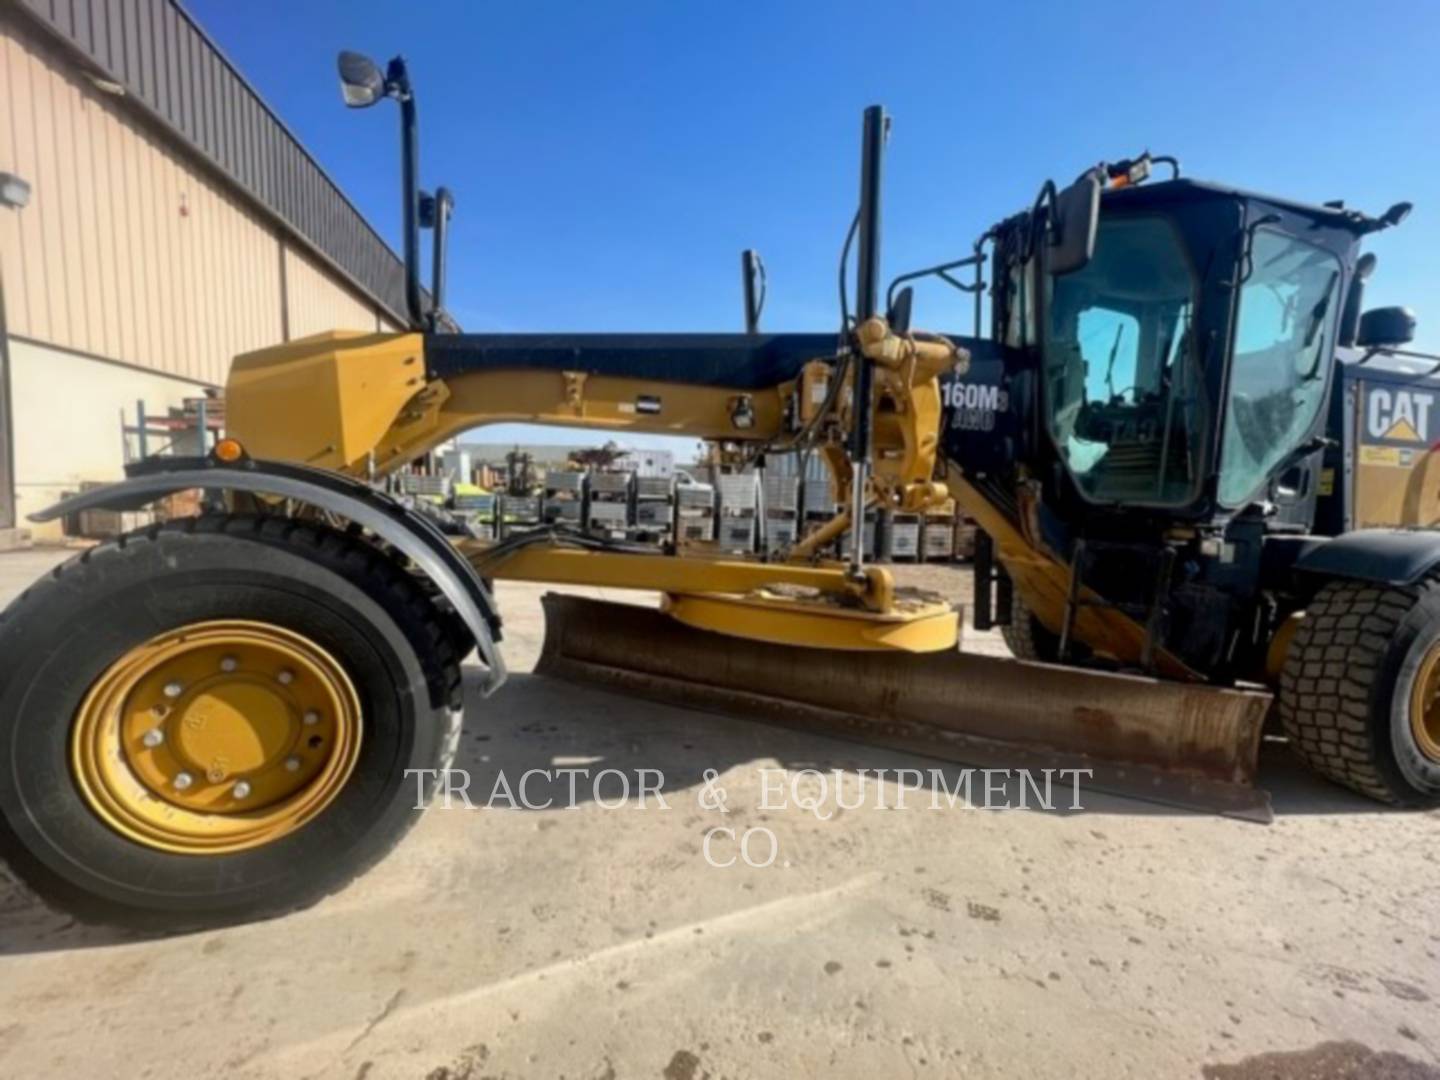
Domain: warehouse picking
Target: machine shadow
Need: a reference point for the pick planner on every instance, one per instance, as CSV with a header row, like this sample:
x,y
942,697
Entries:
x,y
541,723
546,724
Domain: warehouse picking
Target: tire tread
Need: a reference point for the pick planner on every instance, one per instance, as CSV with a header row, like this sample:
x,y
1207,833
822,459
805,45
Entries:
x,y
1329,681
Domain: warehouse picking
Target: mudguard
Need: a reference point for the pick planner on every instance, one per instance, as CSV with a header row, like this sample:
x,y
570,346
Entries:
x,y
1382,556
412,534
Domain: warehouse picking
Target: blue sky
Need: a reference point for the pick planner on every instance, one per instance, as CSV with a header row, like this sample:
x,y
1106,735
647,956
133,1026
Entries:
x,y
611,160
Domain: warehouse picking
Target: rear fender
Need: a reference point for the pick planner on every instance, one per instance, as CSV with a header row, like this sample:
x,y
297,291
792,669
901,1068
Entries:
x,y
1381,556
412,534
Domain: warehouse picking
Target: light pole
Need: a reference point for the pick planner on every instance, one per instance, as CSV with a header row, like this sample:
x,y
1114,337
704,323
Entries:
x,y
14,194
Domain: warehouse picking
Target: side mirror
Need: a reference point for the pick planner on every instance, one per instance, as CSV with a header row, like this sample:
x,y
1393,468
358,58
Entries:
x,y
361,80
1386,326
899,314
1077,213
1396,214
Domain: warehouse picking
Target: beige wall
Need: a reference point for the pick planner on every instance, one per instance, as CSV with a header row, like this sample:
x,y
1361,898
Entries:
x,y
124,251
130,250
67,421
317,304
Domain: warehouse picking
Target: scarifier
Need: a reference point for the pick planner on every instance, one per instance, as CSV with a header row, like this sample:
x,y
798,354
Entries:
x,y
220,717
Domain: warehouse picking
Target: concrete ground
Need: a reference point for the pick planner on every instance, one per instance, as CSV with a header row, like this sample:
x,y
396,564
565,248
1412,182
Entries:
x,y
1123,940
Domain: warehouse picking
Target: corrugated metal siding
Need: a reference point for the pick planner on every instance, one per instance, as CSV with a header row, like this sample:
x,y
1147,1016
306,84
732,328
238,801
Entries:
x,y
318,303
127,250
165,60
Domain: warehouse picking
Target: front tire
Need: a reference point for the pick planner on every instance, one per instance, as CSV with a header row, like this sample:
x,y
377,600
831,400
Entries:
x,y
1360,690
107,827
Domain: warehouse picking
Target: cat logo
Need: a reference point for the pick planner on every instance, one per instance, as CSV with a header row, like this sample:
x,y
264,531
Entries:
x,y
1397,415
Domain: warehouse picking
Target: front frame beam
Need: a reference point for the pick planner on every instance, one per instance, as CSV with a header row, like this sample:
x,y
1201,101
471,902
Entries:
x,y
557,565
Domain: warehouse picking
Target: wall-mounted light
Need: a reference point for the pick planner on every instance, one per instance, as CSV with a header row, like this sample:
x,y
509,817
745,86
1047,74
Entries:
x,y
106,86
14,192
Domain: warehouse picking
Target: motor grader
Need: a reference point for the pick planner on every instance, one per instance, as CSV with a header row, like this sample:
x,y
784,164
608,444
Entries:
x,y
213,718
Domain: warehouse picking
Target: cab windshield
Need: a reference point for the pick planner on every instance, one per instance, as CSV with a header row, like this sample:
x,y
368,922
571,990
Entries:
x,y
1124,398
1288,304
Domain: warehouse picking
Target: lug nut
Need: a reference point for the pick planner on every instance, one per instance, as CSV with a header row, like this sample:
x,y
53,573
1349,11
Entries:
x,y
286,677
153,738
174,689
292,764
311,716
183,780
241,790
228,663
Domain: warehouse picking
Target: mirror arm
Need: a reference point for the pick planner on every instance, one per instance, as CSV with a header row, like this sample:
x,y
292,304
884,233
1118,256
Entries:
x,y
987,237
397,85
1172,161
1247,264
1046,197
941,271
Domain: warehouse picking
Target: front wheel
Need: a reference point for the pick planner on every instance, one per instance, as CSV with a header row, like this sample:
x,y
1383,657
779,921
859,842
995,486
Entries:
x,y
1360,690
213,720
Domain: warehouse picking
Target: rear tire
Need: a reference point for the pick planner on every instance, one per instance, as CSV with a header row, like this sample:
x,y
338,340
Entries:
x,y
1347,690
70,629
1028,639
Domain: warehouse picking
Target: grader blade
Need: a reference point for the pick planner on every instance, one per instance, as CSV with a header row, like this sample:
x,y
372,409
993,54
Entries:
x,y
1165,742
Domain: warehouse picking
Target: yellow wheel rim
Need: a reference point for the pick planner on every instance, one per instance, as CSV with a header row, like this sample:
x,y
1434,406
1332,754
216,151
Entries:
x,y
218,737
1425,704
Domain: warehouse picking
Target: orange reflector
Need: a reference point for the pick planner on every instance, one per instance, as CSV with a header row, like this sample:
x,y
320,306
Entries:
x,y
229,450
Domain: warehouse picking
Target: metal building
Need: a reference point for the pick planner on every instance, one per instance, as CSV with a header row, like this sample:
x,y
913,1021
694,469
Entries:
x,y
171,221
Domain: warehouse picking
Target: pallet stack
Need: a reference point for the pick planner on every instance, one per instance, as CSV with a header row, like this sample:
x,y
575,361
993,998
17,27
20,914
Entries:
x,y
900,536
694,514
517,513
435,488
937,538
781,499
654,515
478,508
965,532
564,497
607,510
736,524
817,503
847,542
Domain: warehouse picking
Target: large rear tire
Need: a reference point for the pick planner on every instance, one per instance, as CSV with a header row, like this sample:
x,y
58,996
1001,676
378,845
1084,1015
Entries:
x,y
1026,637
1360,690
213,720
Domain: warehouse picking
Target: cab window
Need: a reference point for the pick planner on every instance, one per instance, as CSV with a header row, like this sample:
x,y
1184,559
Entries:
x,y
1125,405
1283,340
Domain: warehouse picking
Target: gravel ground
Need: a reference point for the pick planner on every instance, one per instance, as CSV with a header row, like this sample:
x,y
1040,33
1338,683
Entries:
x,y
1124,940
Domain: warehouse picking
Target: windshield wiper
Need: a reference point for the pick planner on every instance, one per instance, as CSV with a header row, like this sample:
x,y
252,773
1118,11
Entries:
x,y
1110,366
1317,319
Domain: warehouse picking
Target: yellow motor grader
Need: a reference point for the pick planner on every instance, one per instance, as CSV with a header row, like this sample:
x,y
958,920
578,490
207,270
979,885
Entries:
x,y
213,718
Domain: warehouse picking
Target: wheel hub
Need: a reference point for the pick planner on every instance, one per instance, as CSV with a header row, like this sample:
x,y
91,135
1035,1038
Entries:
x,y
221,736
1425,704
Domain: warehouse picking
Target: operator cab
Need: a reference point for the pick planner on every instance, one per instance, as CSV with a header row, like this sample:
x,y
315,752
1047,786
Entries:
x,y
1166,356
1185,363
